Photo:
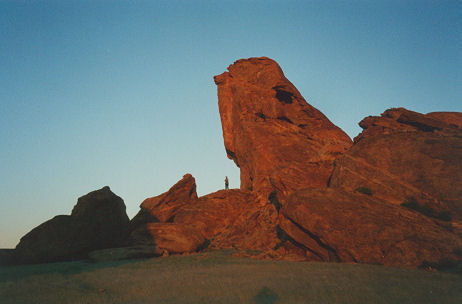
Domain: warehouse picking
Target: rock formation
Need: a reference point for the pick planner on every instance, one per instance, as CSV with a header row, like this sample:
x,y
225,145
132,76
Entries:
x,y
340,226
162,208
392,197
307,192
279,141
169,237
339,202
405,155
98,221
232,219
153,225
224,219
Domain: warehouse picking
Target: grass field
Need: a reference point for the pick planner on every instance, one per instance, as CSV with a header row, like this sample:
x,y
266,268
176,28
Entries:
x,y
218,277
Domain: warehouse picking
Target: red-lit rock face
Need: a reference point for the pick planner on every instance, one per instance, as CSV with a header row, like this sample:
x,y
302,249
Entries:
x,y
307,192
286,151
277,139
406,154
232,219
400,120
341,226
163,207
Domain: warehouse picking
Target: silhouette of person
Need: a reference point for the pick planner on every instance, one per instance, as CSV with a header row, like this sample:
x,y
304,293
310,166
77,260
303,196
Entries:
x,y
226,183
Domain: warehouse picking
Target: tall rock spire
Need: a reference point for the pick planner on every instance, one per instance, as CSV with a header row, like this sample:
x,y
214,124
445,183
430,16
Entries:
x,y
279,141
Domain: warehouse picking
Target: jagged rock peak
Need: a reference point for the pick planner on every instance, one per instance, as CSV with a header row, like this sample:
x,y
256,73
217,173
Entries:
x,y
162,208
183,191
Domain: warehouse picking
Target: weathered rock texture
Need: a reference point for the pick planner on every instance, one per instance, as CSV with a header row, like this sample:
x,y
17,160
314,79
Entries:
x,y
153,225
307,191
162,208
337,225
350,211
404,154
274,136
224,219
232,219
169,237
98,221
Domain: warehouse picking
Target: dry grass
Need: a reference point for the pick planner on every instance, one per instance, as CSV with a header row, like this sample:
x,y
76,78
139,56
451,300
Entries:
x,y
217,277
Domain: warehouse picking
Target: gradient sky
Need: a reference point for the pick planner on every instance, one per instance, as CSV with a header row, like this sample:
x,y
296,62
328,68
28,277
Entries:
x,y
121,93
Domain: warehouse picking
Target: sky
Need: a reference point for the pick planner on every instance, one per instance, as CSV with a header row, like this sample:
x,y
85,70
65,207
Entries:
x,y
121,93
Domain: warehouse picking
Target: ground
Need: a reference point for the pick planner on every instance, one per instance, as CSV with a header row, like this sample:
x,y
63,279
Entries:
x,y
218,277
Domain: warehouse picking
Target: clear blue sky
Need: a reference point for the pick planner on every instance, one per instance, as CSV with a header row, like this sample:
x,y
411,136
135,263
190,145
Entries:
x,y
121,94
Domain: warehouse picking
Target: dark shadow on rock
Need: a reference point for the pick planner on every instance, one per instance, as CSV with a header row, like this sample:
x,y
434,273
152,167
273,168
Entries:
x,y
266,296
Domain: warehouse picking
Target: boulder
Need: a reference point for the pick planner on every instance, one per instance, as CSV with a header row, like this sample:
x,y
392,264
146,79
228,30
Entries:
x,y
169,237
162,208
407,156
226,218
57,239
104,217
232,219
279,141
339,226
97,221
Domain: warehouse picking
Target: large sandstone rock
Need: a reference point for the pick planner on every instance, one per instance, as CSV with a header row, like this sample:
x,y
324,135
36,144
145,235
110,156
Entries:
x,y
169,237
307,192
279,141
98,221
57,239
336,225
400,120
323,198
453,119
104,217
226,218
232,219
162,208
403,155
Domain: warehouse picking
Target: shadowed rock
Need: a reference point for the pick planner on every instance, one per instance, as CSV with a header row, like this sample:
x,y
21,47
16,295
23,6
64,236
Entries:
x,y
163,208
169,237
98,221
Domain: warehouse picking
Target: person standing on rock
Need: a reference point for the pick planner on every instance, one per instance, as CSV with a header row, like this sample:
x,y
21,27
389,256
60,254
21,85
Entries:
x,y
226,183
